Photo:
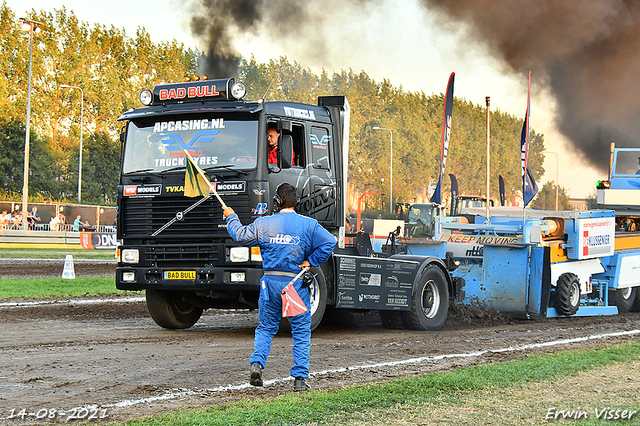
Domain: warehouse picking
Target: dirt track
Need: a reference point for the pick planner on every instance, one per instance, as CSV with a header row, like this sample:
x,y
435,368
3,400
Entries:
x,y
112,355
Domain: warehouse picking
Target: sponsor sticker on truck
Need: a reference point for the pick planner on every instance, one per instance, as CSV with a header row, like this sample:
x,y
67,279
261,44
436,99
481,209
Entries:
x,y
596,237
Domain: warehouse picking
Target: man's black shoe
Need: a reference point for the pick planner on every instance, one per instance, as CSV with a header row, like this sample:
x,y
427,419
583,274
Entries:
x,y
256,374
300,384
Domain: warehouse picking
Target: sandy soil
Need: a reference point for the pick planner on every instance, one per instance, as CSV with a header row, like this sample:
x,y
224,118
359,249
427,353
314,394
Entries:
x,y
109,355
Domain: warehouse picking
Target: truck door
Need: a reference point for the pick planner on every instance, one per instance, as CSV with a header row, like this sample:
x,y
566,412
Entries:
x,y
321,203
311,172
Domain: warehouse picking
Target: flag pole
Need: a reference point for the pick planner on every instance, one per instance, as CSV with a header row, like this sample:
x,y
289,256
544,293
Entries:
x,y
488,155
204,176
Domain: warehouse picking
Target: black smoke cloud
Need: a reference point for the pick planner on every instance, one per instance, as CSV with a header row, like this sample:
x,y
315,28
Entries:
x,y
217,22
586,52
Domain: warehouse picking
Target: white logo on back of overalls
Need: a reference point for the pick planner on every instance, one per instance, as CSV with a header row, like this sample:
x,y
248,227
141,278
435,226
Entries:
x,y
285,239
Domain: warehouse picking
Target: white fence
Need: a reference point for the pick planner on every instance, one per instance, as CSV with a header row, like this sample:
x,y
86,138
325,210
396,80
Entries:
x,y
45,238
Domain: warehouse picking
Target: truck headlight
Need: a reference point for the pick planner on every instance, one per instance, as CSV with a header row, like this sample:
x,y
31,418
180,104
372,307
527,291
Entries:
x,y
130,256
239,254
238,90
146,97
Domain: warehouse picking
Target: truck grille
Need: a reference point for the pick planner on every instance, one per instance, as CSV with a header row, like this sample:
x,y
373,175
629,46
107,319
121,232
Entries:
x,y
183,255
141,217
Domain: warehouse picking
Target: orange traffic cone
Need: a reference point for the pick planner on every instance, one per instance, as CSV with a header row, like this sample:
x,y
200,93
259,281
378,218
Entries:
x,y
292,304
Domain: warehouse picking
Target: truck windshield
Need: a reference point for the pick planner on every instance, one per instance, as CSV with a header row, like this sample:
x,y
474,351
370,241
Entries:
x,y
158,145
421,213
627,162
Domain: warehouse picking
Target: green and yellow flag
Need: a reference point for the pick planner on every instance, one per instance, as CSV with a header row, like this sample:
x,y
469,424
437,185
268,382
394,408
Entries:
x,y
195,184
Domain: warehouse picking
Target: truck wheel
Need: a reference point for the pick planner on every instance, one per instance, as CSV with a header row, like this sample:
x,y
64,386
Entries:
x,y
169,309
391,319
623,298
430,301
318,297
567,294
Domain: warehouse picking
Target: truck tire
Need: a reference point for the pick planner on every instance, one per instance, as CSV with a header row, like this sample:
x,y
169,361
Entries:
x,y
623,298
318,293
567,298
430,301
169,309
391,319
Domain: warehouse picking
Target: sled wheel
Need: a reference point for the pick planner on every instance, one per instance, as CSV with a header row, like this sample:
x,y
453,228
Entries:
x,y
636,303
567,294
170,309
623,298
430,301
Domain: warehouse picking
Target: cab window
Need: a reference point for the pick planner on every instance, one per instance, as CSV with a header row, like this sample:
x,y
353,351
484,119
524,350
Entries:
x,y
319,137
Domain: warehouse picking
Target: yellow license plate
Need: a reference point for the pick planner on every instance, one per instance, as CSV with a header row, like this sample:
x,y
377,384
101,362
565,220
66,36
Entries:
x,y
179,275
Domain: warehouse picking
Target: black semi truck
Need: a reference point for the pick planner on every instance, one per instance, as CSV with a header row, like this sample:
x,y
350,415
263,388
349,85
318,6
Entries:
x,y
177,249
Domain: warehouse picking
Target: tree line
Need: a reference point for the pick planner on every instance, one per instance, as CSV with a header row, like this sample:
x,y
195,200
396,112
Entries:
x,y
112,68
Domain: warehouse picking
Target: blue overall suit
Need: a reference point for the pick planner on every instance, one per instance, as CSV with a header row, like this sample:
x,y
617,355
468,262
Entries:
x,y
285,239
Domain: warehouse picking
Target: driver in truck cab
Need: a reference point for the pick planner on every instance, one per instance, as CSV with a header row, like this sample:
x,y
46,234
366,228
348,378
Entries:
x,y
272,137
288,242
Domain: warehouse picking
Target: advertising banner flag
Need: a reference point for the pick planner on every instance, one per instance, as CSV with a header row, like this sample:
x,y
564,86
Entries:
x,y
446,135
454,192
529,186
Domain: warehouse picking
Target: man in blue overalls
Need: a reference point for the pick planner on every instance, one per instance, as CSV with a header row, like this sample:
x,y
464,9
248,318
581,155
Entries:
x,y
288,242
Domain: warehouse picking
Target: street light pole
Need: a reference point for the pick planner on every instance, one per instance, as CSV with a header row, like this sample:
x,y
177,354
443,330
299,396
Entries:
x,y
556,154
390,167
66,86
32,27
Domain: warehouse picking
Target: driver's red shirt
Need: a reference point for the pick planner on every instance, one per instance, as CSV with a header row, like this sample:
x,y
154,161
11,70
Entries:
x,y
273,156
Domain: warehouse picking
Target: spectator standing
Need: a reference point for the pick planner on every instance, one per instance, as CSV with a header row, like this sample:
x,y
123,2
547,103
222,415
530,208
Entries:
x,y
76,224
54,223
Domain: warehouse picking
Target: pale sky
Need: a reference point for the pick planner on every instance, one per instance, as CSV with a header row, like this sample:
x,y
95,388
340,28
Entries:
x,y
418,58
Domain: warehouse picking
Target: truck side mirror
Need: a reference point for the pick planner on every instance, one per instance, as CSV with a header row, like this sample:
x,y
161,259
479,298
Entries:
x,y
285,147
286,125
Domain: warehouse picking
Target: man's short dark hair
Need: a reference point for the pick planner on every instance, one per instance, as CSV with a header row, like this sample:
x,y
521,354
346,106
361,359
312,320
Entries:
x,y
288,195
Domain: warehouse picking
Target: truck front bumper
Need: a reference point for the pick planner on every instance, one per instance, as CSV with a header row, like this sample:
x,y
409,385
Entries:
x,y
188,279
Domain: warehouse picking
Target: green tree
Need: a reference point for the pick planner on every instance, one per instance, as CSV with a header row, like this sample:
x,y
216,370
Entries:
x,y
101,162
42,166
416,122
110,68
546,198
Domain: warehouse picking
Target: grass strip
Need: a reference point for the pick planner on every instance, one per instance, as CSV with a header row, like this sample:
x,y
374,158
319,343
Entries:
x,y
49,253
364,404
56,287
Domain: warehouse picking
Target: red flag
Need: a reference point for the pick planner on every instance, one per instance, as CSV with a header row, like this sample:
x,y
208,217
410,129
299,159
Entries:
x,y
292,304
